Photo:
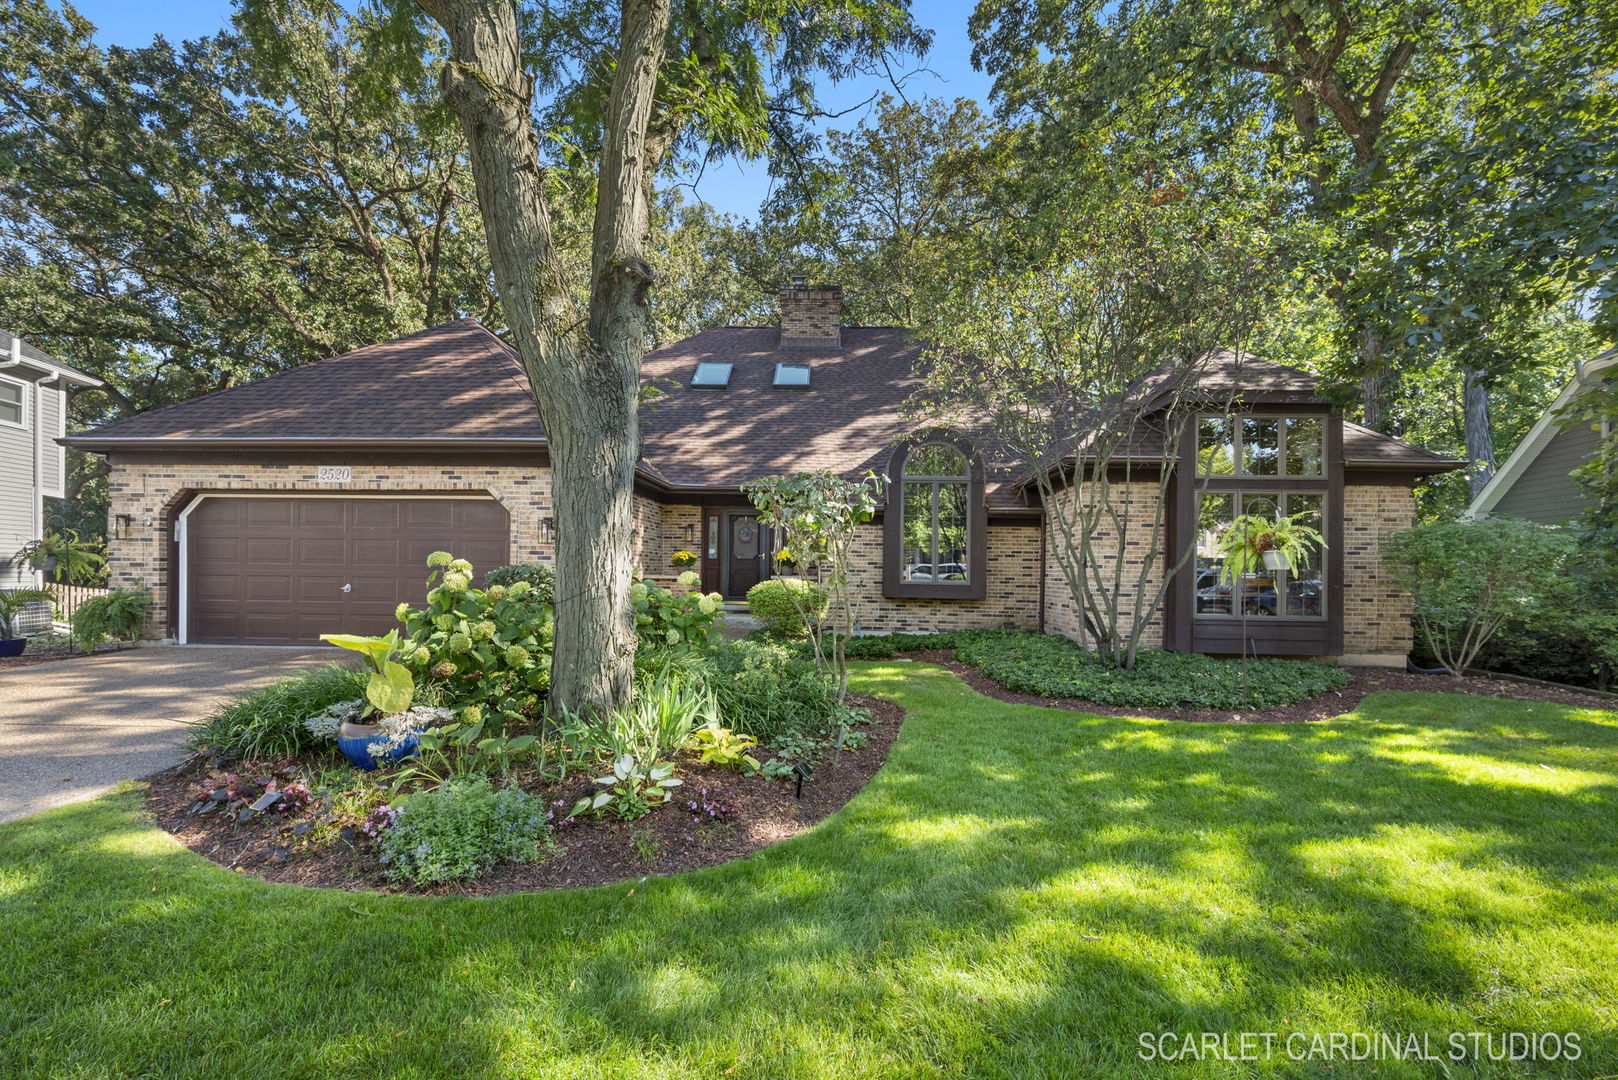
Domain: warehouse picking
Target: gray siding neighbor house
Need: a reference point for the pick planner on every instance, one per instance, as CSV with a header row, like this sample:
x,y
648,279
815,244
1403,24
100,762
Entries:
x,y
1535,482
33,465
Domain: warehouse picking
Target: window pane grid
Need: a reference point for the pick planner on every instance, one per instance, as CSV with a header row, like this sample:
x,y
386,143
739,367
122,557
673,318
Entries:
x,y
1261,446
11,402
933,515
1296,592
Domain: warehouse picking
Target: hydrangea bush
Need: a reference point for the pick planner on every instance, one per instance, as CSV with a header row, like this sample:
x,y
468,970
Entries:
x,y
488,649
666,618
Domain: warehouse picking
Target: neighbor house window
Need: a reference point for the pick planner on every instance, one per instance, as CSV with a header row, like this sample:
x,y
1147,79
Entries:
x,y
935,522
1298,592
11,402
1260,446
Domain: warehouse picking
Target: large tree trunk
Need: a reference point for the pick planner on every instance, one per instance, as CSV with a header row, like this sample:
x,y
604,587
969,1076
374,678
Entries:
x,y
1378,383
584,372
1479,432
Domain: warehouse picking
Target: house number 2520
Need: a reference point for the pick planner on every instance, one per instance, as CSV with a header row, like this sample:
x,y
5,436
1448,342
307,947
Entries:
x,y
335,474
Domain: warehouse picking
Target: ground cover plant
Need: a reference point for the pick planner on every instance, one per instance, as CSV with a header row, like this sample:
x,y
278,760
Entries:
x,y
1049,666
1020,893
461,828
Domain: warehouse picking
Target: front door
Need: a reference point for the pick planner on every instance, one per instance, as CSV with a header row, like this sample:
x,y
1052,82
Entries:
x,y
747,554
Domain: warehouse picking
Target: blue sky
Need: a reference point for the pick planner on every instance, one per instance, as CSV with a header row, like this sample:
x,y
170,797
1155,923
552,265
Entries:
x,y
733,187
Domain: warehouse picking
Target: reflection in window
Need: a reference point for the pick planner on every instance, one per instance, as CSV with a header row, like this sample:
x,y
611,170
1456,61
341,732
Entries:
x,y
1304,446
1216,450
1261,446
1299,591
933,507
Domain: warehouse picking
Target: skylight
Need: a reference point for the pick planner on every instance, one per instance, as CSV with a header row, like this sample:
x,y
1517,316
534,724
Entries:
x,y
791,374
711,376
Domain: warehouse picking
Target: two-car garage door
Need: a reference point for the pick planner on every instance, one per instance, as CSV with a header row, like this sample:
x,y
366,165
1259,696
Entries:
x,y
283,571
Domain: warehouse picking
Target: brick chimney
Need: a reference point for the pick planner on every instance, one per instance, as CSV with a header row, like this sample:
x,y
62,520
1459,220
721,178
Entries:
x,y
811,316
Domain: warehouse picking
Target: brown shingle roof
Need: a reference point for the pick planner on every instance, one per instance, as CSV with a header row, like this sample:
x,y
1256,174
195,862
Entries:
x,y
458,382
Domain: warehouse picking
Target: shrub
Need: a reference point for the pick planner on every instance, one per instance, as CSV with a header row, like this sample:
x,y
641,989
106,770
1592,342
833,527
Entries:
x,y
460,829
664,618
485,647
1571,635
786,605
1469,578
541,580
117,615
269,722
766,689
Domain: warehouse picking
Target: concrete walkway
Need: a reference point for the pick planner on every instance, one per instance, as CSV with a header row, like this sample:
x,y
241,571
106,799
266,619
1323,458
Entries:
x,y
71,729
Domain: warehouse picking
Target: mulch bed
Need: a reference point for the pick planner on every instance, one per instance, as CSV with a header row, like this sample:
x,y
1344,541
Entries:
x,y
1361,681
50,653
589,852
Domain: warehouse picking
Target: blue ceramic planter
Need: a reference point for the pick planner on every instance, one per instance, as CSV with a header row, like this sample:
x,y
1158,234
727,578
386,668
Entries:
x,y
355,740
13,646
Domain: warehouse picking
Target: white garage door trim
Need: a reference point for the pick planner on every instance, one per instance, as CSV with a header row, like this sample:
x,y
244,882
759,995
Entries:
x,y
183,560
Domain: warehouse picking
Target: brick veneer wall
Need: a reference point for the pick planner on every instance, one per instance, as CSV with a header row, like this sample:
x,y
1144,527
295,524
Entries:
x,y
1137,501
1376,614
1012,588
660,531
155,491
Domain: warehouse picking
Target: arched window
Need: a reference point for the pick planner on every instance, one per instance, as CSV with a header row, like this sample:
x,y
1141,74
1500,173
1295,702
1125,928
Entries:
x,y
935,522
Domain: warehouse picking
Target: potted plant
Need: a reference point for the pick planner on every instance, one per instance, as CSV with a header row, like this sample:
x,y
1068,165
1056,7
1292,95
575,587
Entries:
x,y
1252,543
61,556
684,559
12,604
388,693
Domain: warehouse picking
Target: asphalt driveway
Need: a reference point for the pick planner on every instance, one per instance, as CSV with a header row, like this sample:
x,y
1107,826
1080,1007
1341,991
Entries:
x,y
71,729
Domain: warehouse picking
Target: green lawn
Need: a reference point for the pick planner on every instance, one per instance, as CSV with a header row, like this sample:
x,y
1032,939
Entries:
x,y
1018,894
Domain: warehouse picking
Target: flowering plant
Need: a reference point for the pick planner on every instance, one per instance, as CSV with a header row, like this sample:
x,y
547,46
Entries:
x,y
489,649
683,559
663,617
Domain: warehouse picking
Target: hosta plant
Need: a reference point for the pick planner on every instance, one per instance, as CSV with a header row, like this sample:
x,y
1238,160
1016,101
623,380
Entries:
x,y
390,688
633,789
722,746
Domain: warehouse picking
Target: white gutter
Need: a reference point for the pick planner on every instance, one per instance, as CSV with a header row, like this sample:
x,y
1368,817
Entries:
x,y
50,369
39,470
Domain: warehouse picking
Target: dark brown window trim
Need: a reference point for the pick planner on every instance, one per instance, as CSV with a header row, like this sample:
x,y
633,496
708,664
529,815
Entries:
x,y
1184,631
977,528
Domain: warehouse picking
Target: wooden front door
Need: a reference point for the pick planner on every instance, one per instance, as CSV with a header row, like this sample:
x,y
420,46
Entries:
x,y
747,554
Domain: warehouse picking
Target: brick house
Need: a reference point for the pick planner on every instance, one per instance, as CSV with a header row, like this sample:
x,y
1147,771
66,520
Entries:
x,y
306,502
